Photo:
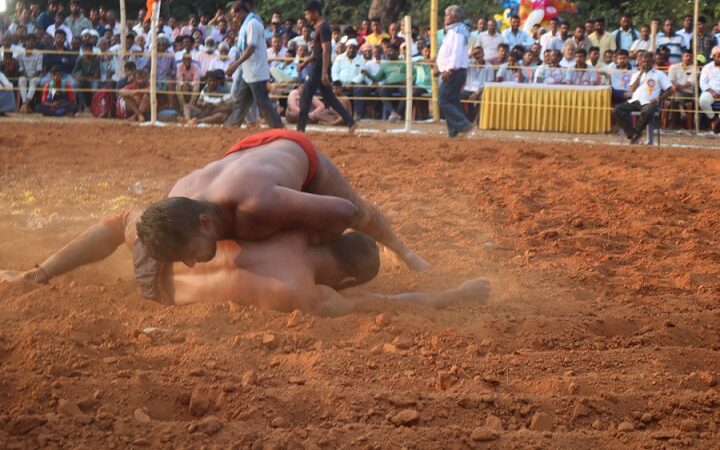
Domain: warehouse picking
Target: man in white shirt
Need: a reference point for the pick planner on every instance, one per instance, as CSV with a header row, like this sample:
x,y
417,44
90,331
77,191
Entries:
x,y
252,81
347,66
582,74
552,38
681,77
489,41
710,87
514,36
277,51
452,64
478,74
551,73
641,44
649,87
620,75
686,32
60,25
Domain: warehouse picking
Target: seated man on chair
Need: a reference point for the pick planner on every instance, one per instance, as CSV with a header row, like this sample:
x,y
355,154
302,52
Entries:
x,y
648,88
710,87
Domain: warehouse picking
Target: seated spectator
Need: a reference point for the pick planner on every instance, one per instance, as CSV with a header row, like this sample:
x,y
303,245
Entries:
x,y
490,41
188,81
620,74
344,101
346,67
7,96
136,97
286,73
423,81
594,57
10,67
503,51
30,72
608,58
582,74
662,59
392,73
188,46
705,41
59,25
377,34
710,88
127,75
58,98
648,87
477,75
87,75
512,71
552,73
304,39
681,77
214,103
642,43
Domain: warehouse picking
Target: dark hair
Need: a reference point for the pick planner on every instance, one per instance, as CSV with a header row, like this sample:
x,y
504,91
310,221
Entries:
x,y
337,83
622,52
130,65
515,16
358,255
240,7
702,19
504,45
313,6
594,49
165,227
600,19
609,51
55,69
580,51
60,31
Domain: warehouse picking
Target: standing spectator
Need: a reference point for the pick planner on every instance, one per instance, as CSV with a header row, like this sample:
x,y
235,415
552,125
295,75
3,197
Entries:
x,y
452,64
25,20
478,75
30,72
670,39
320,77
166,71
188,81
47,17
303,39
58,98
489,41
620,75
207,56
642,43
7,96
599,38
363,31
514,36
251,84
681,77
578,39
648,87
686,32
377,34
60,25
87,75
106,63
481,28
220,30
392,72
706,41
76,21
553,39
710,87
626,34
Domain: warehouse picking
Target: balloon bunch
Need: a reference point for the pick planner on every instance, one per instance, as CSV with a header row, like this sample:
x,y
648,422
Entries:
x,y
533,12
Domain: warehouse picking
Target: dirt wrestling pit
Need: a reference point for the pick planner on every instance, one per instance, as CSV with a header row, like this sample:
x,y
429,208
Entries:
x,y
602,330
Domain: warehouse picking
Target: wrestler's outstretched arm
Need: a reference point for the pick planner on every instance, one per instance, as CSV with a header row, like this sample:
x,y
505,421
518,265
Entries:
x,y
369,220
93,245
325,301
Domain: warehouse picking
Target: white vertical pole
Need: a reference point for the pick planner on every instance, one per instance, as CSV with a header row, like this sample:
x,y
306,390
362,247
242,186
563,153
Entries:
x,y
408,74
696,92
153,61
123,33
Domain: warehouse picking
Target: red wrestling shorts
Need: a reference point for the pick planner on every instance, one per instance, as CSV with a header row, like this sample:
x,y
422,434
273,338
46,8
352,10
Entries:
x,y
279,133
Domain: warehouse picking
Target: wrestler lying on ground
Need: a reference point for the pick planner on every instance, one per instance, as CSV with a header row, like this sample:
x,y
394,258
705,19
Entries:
x,y
283,272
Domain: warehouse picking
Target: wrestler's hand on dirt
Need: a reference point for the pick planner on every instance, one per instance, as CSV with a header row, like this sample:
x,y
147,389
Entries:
x,y
414,262
30,276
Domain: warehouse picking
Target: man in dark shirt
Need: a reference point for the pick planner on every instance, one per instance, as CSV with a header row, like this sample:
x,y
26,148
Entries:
x,y
319,77
65,61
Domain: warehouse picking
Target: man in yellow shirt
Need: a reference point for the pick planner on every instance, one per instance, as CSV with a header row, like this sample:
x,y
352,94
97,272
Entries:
x,y
599,38
377,35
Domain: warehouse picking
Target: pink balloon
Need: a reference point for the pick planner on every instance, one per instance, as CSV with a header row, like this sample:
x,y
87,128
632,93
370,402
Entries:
x,y
550,12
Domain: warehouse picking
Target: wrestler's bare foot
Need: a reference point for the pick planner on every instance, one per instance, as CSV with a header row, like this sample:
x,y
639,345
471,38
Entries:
x,y
477,289
30,276
353,127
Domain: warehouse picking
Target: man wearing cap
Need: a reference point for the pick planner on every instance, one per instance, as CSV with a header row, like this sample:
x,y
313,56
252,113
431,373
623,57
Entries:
x,y
223,60
251,84
346,67
188,81
710,87
207,56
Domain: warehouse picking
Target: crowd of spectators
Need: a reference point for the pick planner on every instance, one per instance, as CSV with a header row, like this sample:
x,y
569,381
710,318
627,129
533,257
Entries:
x,y
59,62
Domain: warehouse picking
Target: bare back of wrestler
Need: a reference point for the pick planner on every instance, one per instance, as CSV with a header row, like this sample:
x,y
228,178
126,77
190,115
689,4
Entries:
x,y
253,192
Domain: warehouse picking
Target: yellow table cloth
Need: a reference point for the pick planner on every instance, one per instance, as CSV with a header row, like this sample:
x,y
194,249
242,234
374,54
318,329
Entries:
x,y
539,107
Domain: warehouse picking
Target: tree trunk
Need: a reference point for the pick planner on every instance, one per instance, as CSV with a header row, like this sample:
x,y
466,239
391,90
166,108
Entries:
x,y
387,10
